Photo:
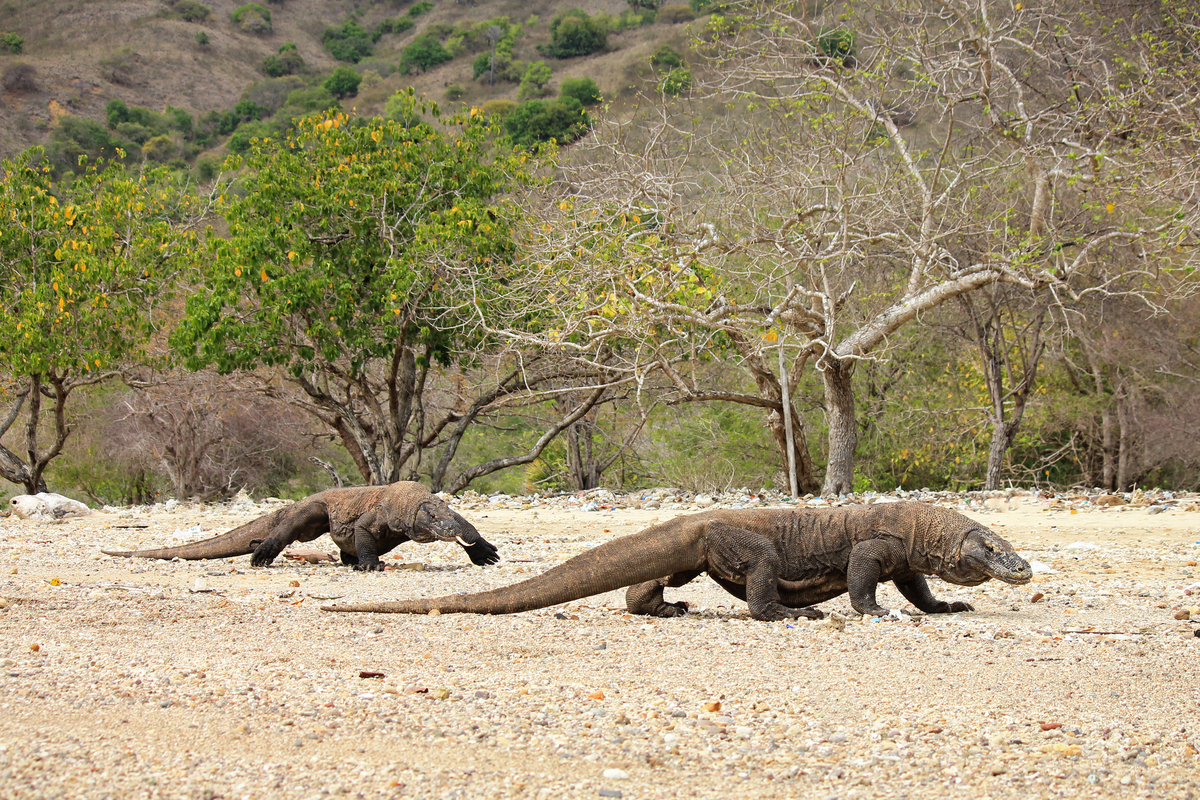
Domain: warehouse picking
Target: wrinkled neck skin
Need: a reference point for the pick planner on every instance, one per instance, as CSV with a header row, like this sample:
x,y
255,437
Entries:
x,y
435,521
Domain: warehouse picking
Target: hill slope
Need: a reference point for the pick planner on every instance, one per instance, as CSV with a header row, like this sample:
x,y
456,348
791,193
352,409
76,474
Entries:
x,y
76,56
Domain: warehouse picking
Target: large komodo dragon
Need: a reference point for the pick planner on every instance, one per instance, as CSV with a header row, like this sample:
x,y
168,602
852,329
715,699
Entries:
x,y
364,522
779,560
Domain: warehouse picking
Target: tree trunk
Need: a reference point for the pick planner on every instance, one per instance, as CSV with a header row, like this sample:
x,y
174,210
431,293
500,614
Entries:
x,y
1124,442
583,469
838,377
1002,436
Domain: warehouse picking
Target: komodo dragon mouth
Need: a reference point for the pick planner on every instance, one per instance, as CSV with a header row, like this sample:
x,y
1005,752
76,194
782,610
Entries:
x,y
995,557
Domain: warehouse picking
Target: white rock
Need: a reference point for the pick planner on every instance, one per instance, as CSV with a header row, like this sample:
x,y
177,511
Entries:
x,y
47,507
614,774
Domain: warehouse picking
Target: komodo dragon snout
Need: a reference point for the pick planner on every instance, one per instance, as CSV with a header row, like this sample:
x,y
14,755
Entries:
x,y
436,521
985,555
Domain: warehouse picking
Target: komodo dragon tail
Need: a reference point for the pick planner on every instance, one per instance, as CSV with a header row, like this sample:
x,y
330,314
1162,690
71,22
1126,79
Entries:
x,y
621,562
237,542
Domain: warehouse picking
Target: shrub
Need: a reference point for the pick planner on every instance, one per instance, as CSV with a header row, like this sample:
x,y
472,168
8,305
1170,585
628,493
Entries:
x,y
499,107
574,33
343,82
18,79
12,43
424,53
241,139
287,62
533,82
673,15
676,82
393,25
191,11
455,91
133,132
207,168
666,57
584,90
74,137
202,39
307,101
270,94
160,149
837,45
351,42
252,18
422,7
507,68
563,120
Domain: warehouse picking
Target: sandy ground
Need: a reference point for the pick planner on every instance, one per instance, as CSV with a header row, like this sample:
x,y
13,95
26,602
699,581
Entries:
x,y
131,679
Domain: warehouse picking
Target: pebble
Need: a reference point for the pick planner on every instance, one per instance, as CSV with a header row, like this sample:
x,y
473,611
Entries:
x,y
722,704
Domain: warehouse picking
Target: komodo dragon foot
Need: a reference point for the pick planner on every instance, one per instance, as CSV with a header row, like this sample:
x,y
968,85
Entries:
x,y
777,611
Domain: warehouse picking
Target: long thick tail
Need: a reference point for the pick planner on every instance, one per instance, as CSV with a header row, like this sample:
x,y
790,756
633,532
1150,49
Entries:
x,y
237,542
644,556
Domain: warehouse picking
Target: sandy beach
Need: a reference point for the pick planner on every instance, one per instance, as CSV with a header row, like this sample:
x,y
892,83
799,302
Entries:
x,y
147,679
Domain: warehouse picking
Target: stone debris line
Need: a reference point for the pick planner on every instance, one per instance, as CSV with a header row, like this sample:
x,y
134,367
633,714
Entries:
x,y
208,678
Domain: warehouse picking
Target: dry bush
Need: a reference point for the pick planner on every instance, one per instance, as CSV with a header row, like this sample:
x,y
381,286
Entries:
x,y
18,79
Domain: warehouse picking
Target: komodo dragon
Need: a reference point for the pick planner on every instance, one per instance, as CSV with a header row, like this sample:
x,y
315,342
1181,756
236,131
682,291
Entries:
x,y
364,522
779,560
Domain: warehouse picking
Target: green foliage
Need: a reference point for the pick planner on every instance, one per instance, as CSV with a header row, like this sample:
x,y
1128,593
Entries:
x,y
12,43
419,8
666,57
349,238
563,120
82,269
425,53
676,82
160,149
455,91
674,15
191,11
499,108
74,138
392,25
287,62
252,18
838,46
534,81
202,39
584,90
350,42
708,6
247,133
207,168
574,33
343,83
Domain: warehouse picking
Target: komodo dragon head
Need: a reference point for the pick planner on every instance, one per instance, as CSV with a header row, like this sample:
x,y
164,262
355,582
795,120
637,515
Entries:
x,y
437,522
984,555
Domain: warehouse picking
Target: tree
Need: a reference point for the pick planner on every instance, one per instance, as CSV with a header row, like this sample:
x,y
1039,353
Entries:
x,y
425,53
584,90
818,216
533,82
87,270
343,83
364,260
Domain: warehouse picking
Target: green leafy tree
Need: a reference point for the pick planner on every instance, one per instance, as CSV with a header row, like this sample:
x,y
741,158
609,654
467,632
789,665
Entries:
x,y
584,90
252,18
425,53
563,120
12,43
85,271
360,260
343,82
533,82
574,33
351,41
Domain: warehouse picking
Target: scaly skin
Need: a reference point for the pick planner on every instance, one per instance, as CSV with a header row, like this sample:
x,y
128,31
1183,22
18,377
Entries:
x,y
780,561
364,522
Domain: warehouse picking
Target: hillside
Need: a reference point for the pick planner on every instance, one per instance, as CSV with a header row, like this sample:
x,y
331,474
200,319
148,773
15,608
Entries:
x,y
77,57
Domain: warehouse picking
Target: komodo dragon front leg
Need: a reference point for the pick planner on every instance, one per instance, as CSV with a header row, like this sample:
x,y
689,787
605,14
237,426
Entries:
x,y
303,522
873,559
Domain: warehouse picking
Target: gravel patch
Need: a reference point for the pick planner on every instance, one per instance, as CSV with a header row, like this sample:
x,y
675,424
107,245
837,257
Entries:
x,y
146,679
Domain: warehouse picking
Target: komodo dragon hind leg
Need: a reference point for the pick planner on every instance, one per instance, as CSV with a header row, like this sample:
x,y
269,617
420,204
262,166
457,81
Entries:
x,y
647,598
737,551
916,590
305,521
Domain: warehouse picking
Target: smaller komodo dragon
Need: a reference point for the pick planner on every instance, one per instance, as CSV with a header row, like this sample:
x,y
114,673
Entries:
x,y
779,560
364,522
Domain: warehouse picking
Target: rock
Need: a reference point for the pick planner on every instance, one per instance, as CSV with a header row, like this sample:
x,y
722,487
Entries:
x,y
610,793
1037,597
47,507
614,774
704,500
712,705
1109,500
596,695
1183,613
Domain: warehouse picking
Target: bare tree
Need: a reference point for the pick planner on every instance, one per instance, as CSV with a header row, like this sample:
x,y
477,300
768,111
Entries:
x,y
832,200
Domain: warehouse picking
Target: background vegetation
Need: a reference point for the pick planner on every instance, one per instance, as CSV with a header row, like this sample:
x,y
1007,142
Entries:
x,y
835,232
